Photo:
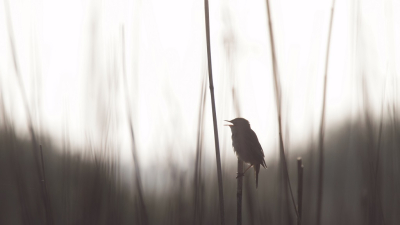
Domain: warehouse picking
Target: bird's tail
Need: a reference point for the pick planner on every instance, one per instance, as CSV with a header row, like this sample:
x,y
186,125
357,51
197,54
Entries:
x,y
263,164
257,170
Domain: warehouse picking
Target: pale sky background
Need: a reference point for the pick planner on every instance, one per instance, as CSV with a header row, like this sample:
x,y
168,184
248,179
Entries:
x,y
71,62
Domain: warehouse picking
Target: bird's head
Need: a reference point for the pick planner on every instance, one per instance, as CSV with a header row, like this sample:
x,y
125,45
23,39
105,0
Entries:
x,y
238,123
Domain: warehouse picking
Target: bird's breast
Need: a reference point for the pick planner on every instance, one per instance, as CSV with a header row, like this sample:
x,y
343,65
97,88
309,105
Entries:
x,y
241,148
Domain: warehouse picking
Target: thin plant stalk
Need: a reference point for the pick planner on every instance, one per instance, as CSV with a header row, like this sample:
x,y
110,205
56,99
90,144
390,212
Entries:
x,y
322,125
239,193
218,158
300,190
278,104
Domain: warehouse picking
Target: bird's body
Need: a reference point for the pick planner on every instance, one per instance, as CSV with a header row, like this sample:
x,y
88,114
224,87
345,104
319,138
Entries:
x,y
246,145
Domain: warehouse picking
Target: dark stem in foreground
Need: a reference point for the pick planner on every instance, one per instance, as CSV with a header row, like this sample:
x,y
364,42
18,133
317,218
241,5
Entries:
x,y
239,192
278,104
322,127
221,195
299,190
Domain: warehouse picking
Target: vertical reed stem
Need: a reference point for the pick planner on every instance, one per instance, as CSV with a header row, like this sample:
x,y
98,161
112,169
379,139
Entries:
x,y
299,190
221,196
239,192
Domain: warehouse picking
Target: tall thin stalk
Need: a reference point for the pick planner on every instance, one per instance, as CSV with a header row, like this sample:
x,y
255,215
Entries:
x,y
322,126
300,190
278,100
239,193
221,194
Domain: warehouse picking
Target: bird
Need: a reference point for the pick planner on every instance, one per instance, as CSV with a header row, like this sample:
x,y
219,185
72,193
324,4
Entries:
x,y
246,145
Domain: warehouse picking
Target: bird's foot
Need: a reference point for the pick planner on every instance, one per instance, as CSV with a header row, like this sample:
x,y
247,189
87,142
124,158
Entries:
x,y
239,175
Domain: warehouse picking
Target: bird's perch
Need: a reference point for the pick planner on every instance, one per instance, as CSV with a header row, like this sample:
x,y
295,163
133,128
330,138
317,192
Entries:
x,y
239,192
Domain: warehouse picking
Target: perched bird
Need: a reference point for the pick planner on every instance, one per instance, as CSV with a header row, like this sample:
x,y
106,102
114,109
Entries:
x,y
246,145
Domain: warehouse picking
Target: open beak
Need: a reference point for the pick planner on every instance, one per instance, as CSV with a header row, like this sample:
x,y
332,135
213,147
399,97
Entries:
x,y
230,123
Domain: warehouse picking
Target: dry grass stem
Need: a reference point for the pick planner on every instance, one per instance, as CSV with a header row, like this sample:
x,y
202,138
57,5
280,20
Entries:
x,y
218,158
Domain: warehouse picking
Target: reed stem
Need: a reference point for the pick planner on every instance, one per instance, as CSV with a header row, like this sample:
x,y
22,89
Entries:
x,y
220,186
300,190
239,192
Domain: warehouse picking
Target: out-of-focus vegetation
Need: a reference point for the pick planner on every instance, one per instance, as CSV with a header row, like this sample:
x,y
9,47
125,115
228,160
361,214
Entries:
x,y
82,188
361,183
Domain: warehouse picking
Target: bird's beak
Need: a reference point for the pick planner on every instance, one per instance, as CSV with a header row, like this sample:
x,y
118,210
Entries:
x,y
230,123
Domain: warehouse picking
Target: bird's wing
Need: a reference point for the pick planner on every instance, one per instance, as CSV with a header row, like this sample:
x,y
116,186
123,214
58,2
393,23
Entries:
x,y
256,147
254,143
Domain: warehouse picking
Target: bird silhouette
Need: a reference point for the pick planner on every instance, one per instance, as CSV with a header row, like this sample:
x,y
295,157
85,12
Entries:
x,y
246,145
